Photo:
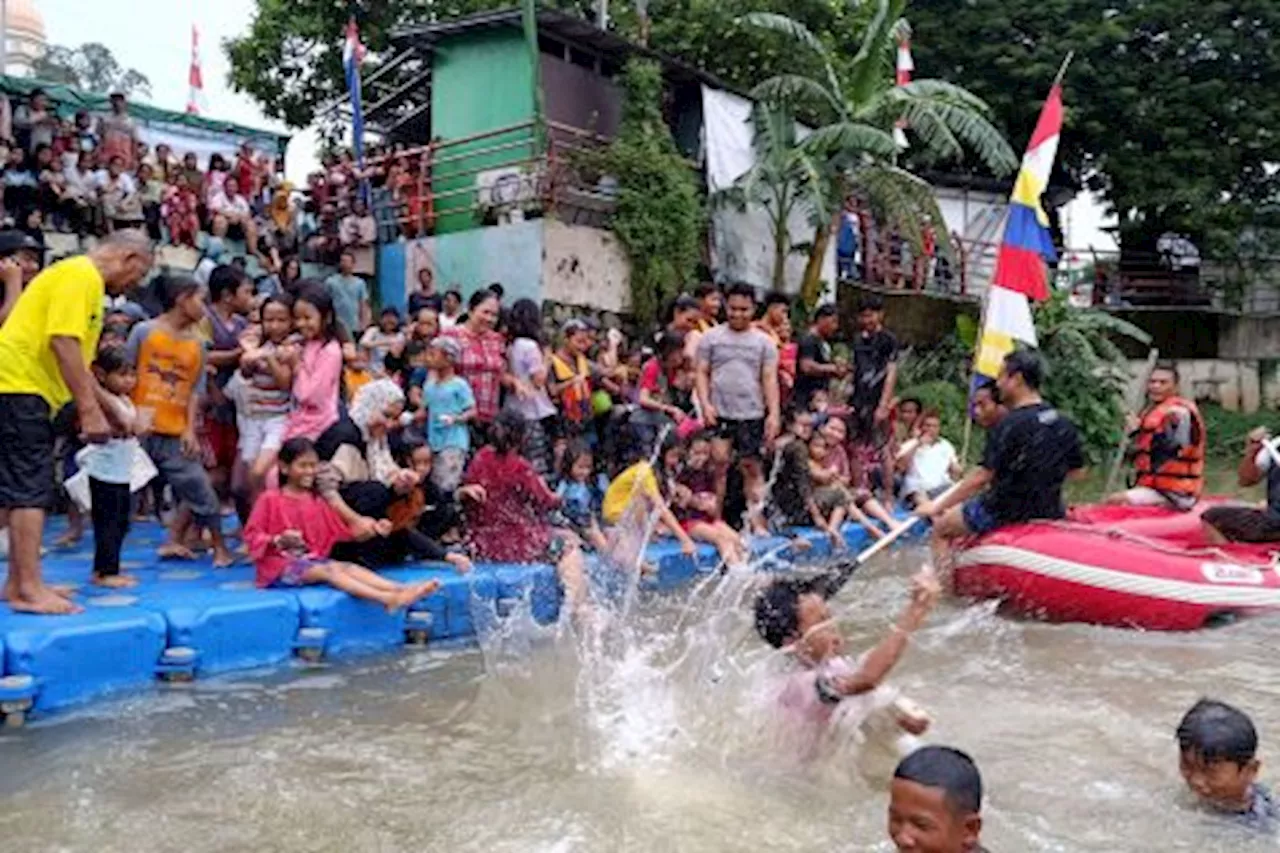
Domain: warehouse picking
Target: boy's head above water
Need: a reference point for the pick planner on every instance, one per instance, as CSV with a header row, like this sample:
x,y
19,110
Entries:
x,y
1218,745
793,612
935,802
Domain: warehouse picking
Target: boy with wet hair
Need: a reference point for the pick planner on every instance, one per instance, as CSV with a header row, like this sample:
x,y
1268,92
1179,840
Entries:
x,y
1218,747
935,803
826,688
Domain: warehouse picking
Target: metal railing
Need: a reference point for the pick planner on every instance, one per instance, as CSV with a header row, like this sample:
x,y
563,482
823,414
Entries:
x,y
443,179
1137,280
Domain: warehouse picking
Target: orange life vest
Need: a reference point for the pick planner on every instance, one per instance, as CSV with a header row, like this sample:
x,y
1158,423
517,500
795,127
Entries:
x,y
575,398
1181,473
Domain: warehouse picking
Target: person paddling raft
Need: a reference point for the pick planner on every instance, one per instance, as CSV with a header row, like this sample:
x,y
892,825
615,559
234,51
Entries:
x,y
1168,447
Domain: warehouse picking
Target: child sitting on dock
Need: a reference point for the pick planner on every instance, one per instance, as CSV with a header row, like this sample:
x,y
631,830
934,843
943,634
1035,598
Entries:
x,y
581,491
292,531
698,505
1218,747
794,493
640,483
826,688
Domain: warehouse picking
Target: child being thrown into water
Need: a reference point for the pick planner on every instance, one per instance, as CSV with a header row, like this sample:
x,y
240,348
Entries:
x,y
826,687
1218,745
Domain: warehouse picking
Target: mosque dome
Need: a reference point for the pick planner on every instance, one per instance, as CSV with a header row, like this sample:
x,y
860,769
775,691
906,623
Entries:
x,y
25,37
23,18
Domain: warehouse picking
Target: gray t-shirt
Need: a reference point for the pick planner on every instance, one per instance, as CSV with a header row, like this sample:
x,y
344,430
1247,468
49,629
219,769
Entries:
x,y
737,359
526,359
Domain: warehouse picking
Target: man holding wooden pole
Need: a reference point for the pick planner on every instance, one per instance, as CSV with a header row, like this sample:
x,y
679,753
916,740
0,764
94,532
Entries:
x,y
1168,447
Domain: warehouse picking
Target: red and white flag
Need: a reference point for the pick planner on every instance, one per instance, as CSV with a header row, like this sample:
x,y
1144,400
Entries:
x,y
195,83
906,65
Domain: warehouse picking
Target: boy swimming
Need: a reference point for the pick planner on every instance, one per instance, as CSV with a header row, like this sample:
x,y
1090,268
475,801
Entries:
x,y
1218,745
826,687
935,803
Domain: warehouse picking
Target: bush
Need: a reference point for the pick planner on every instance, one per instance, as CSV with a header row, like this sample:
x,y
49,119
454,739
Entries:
x,y
1227,430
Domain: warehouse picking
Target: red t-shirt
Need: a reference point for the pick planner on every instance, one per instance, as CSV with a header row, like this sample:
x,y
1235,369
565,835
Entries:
x,y
277,511
508,527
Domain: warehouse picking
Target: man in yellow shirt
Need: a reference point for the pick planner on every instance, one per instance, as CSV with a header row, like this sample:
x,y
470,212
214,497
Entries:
x,y
46,346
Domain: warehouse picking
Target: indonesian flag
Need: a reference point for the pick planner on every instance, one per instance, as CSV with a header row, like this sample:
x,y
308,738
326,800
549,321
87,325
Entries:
x,y
906,65
195,83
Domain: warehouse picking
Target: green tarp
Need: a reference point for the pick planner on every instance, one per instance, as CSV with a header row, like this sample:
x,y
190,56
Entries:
x,y
67,101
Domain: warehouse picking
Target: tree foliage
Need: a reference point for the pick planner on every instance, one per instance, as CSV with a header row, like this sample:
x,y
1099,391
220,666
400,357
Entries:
x,y
91,67
659,219
857,105
1171,104
786,177
290,60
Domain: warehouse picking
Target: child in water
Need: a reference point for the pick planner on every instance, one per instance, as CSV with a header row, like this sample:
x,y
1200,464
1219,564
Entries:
x,y
935,803
1218,746
292,531
826,686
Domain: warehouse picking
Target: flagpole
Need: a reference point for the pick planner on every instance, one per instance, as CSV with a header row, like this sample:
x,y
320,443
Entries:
x,y
1062,70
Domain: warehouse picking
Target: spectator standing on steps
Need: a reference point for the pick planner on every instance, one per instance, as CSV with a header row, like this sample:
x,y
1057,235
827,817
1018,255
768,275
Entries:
x,y
350,296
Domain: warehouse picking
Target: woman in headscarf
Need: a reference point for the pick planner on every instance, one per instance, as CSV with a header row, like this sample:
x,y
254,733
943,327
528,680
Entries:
x,y
376,411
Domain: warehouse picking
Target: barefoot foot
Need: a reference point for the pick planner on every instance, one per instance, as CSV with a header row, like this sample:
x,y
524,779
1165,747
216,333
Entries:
x,y
70,539
44,601
406,596
223,559
115,581
173,551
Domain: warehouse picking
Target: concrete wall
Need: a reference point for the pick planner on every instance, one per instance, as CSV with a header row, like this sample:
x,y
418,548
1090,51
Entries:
x,y
1249,337
584,266
538,259
467,261
1238,385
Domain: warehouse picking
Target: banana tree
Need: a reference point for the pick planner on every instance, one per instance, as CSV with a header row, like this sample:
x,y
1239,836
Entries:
x,y
858,106
786,177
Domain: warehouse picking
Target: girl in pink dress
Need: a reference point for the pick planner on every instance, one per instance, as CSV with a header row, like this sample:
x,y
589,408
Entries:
x,y
292,531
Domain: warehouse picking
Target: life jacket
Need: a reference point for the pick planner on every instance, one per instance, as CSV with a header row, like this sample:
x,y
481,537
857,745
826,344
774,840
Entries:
x,y
575,399
1180,472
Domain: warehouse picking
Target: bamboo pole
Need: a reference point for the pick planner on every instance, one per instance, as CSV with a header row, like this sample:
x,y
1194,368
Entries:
x,y
1136,396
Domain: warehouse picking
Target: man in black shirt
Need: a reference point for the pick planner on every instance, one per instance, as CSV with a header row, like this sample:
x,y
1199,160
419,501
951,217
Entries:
x,y
1028,456
875,366
814,366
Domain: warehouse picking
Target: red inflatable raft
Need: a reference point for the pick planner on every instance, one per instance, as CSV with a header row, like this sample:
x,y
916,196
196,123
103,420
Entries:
x,y
1120,566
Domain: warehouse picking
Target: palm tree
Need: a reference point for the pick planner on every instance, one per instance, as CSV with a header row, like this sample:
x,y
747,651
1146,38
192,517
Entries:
x,y
786,177
857,111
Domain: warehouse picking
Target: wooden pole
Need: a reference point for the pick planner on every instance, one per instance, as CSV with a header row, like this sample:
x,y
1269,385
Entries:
x,y
1136,396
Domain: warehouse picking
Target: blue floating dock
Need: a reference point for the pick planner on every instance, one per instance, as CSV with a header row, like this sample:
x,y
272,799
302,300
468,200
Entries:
x,y
188,619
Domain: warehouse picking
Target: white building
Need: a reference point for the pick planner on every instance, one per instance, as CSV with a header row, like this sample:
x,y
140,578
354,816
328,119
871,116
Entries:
x,y
24,36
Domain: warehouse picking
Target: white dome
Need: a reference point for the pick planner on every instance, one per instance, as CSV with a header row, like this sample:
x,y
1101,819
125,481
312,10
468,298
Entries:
x,y
22,19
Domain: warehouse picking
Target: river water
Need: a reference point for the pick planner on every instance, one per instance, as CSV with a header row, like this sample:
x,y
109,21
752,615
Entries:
x,y
645,737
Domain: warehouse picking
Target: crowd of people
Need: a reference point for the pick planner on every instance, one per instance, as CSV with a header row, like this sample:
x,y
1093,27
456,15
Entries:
x,y
90,175
457,433
344,441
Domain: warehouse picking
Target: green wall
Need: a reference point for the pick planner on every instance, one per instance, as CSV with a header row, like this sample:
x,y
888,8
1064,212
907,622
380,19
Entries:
x,y
481,81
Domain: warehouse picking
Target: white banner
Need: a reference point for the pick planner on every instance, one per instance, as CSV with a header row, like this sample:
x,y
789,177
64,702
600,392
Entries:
x,y
742,244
